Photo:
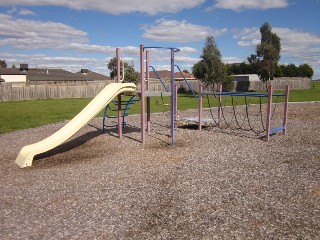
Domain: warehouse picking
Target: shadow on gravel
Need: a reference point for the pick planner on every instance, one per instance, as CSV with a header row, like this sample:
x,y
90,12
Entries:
x,y
67,146
128,129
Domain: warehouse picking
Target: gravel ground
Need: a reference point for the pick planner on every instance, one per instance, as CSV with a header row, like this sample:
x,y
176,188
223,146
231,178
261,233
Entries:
x,y
214,184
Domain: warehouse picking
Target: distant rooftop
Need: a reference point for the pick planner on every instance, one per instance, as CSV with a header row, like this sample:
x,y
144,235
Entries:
x,y
90,76
165,74
47,74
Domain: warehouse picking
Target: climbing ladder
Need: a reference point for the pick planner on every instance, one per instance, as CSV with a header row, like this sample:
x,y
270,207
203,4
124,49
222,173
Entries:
x,y
112,107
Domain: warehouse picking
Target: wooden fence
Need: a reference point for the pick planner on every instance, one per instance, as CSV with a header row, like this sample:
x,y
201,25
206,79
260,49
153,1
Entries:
x,y
16,92
277,84
25,91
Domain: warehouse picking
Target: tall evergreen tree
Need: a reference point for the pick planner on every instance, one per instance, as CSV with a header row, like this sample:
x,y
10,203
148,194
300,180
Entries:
x,y
211,68
267,53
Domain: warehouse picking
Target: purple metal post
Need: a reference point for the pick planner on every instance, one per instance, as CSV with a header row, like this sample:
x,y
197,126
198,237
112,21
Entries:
x,y
172,97
219,105
119,96
285,116
200,107
142,48
269,107
148,88
143,134
176,106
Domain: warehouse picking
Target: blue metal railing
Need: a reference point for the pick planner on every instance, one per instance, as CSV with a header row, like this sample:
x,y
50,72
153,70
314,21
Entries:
x,y
112,107
190,88
165,87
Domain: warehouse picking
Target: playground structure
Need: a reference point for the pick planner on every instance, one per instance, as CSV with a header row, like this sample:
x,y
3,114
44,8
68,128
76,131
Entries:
x,y
269,113
115,90
146,94
113,107
27,153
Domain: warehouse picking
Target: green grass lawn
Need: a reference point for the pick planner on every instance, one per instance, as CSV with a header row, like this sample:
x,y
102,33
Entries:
x,y
28,114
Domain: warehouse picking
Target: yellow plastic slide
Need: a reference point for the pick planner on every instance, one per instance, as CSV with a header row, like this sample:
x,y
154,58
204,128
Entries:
x,y
27,153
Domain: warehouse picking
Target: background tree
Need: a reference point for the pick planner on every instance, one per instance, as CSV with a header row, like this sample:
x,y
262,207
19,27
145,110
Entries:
x,y
210,69
289,70
112,66
267,53
305,70
3,63
278,72
292,70
130,75
241,68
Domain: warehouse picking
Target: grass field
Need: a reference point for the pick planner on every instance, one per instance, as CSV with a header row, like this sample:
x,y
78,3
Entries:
x,y
28,114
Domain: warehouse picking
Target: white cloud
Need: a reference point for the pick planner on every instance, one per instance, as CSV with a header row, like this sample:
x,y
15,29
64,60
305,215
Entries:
x,y
113,7
21,11
187,50
296,46
239,5
232,60
37,35
25,12
28,34
292,41
186,59
72,64
178,31
247,34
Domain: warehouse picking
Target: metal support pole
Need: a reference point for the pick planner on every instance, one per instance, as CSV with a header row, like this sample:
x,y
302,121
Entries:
x,y
142,73
200,107
119,96
269,107
172,97
148,98
219,105
176,106
285,114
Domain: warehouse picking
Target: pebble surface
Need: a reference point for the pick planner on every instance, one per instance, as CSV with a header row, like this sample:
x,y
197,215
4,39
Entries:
x,y
213,184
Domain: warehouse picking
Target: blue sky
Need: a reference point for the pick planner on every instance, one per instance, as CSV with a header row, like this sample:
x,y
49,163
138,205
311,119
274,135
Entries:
x,y
77,34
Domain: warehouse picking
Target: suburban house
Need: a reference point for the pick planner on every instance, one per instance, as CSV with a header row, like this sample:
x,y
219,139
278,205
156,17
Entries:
x,y
14,75
24,74
246,77
92,76
165,74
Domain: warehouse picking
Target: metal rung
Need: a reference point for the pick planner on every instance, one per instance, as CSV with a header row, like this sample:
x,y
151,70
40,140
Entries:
x,y
278,129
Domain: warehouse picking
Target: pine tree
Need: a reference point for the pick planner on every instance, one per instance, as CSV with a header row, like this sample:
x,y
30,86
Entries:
x,y
211,68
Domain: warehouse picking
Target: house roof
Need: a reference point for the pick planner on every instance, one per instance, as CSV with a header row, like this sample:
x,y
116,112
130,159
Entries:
x,y
91,76
43,74
11,71
39,74
178,75
165,74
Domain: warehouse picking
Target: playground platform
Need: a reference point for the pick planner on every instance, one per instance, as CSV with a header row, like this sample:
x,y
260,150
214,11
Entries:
x,y
195,121
155,94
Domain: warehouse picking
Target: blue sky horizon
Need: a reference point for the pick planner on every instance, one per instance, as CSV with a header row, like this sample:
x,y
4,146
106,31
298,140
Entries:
x,y
80,34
